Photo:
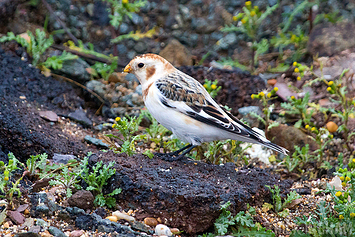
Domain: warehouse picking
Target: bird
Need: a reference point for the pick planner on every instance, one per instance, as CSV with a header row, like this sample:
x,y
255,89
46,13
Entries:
x,y
183,106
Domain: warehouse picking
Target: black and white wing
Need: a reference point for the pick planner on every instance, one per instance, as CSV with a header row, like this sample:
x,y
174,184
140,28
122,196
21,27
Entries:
x,y
186,95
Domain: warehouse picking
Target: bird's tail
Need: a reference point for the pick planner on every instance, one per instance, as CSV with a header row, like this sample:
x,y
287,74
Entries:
x,y
274,147
262,140
250,135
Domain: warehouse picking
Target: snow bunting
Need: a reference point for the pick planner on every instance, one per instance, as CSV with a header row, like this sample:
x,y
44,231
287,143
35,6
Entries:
x,y
182,105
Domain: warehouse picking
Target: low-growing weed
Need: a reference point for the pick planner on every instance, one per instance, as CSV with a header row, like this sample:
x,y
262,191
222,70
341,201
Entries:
x,y
323,137
265,97
250,21
97,179
300,108
333,219
278,205
241,224
120,9
340,97
297,39
99,68
212,87
36,46
9,188
104,69
68,177
127,126
219,152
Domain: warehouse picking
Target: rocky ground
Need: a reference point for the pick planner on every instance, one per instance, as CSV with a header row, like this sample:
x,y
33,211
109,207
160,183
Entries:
x,y
52,115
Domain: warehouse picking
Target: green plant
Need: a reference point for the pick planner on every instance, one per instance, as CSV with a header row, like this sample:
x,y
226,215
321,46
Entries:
x,y
299,8
32,163
278,205
323,137
234,63
68,177
56,62
302,155
127,126
135,35
299,107
251,19
265,97
155,131
36,45
219,152
97,179
104,69
39,165
241,224
212,87
333,219
297,39
120,9
332,17
347,109
8,188
339,95
291,162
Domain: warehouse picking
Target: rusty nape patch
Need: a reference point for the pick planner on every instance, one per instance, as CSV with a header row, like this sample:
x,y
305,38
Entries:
x,y
186,194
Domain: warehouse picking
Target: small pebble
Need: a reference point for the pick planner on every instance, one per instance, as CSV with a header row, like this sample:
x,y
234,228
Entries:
x,y
150,221
162,230
76,233
175,231
112,218
123,216
6,225
271,82
332,127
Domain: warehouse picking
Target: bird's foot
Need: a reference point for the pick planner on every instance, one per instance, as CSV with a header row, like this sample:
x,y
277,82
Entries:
x,y
173,156
170,156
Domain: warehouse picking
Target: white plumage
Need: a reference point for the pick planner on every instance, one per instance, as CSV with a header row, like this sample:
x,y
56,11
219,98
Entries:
x,y
182,105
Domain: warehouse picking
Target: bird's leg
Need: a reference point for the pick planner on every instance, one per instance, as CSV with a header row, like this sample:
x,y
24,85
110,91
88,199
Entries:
x,y
188,149
171,156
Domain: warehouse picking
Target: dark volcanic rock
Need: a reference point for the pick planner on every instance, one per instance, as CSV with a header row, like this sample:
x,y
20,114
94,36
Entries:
x,y
7,10
16,217
80,116
328,39
23,89
82,199
42,205
56,232
95,222
186,194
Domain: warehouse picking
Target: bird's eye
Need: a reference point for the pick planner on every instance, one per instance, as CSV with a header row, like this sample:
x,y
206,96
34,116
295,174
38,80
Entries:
x,y
140,65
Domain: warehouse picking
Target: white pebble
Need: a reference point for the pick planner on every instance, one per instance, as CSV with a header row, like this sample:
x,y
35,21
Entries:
x,y
123,216
162,230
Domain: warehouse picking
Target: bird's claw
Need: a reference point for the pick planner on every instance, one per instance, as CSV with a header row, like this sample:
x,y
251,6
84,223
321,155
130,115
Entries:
x,y
171,156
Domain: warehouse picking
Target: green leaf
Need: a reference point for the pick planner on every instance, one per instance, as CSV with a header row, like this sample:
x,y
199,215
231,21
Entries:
x,y
298,124
56,62
148,153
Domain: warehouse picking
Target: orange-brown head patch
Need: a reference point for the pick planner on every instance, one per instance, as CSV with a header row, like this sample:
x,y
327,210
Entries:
x,y
168,67
150,71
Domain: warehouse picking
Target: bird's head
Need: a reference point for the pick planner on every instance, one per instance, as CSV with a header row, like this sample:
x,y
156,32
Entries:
x,y
149,67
